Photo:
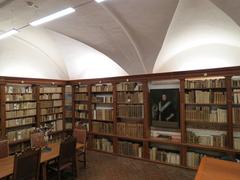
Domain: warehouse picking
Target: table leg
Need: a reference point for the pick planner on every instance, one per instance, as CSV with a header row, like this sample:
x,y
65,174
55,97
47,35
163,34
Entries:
x,y
77,164
44,171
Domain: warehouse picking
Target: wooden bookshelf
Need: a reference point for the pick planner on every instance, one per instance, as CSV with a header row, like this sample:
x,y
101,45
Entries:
x,y
51,112
105,92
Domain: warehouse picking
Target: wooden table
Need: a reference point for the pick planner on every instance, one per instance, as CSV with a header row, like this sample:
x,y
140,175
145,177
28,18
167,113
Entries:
x,y
6,164
211,168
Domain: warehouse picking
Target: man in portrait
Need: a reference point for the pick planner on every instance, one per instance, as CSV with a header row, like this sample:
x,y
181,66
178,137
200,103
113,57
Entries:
x,y
166,109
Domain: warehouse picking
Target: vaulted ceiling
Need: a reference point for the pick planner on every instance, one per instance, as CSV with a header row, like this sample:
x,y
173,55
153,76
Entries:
x,y
118,37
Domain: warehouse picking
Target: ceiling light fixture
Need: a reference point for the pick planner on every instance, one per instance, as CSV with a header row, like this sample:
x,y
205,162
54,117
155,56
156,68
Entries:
x,y
99,1
8,33
53,16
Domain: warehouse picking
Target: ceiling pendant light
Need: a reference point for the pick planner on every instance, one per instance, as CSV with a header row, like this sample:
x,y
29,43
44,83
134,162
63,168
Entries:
x,y
53,16
8,33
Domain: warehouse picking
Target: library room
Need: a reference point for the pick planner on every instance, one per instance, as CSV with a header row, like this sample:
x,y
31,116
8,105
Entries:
x,y
119,89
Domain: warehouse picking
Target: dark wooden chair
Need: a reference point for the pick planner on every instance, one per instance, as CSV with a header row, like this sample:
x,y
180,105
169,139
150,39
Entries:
x,y
37,140
67,157
27,165
81,137
4,148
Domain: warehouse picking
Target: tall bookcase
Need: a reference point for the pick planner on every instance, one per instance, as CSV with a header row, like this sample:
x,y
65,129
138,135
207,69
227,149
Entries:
x,y
117,114
26,105
208,111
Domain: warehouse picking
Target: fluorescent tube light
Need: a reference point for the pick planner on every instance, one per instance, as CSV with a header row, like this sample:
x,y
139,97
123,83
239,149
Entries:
x,y
99,1
9,33
53,16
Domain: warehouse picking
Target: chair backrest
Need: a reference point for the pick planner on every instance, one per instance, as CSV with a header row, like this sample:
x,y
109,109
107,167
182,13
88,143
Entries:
x,y
37,140
67,151
4,148
27,165
80,135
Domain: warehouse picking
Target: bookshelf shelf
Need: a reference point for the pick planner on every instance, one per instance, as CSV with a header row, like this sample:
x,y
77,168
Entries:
x,y
102,134
206,125
131,138
210,104
103,120
168,142
130,95
19,101
20,126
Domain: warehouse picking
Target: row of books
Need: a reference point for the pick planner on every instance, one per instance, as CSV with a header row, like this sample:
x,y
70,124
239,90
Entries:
x,y
47,111
236,142
166,135
18,89
100,127
19,134
48,104
129,86
102,144
50,90
130,129
236,96
51,117
131,111
18,106
81,89
206,138
205,97
130,97
81,115
206,114
17,97
236,115
81,106
102,88
57,125
102,99
193,159
103,114
164,156
130,148
50,96
236,83
207,83
83,125
81,97
20,122
20,113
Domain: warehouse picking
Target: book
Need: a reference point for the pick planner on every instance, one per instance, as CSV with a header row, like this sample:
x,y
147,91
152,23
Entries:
x,y
206,137
129,86
101,127
165,156
130,129
130,111
205,83
130,148
130,97
103,144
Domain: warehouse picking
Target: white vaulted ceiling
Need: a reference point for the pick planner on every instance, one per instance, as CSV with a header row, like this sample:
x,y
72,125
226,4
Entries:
x,y
119,37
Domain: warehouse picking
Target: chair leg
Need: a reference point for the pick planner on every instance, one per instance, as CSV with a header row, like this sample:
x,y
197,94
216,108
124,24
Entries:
x,y
59,175
84,159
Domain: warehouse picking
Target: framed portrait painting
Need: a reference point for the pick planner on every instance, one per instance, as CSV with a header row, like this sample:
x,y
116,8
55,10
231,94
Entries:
x,y
165,108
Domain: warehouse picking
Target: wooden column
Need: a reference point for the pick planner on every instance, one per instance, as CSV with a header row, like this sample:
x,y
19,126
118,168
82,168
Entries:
x,y
3,112
115,139
229,112
146,123
182,121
